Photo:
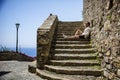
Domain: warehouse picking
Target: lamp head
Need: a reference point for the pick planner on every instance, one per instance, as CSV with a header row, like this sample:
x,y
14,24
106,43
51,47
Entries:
x,y
17,25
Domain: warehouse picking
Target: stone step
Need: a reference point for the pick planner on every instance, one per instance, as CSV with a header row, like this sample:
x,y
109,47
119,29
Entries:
x,y
72,42
68,28
75,70
74,56
48,75
76,51
64,39
72,53
65,31
74,62
72,46
60,34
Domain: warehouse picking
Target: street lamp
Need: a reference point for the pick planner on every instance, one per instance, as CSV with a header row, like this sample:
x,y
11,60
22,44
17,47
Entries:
x,y
17,26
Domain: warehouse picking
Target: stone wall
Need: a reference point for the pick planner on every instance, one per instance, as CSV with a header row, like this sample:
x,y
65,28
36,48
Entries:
x,y
11,55
44,39
104,16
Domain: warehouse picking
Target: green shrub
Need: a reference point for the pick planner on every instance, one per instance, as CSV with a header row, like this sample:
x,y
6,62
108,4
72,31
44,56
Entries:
x,y
4,49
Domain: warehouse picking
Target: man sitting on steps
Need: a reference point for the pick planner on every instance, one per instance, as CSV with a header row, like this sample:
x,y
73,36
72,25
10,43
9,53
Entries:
x,y
79,34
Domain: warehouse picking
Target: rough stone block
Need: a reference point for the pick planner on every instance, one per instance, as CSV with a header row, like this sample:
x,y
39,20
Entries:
x,y
119,20
43,41
100,55
109,66
32,68
118,72
108,4
116,63
108,53
114,51
116,78
103,64
108,74
105,73
106,59
107,26
115,42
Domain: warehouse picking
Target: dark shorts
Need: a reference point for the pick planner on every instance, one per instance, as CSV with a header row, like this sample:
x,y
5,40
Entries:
x,y
81,37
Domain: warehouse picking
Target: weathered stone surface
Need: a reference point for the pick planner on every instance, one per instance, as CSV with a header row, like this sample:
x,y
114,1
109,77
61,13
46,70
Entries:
x,y
118,72
106,59
116,63
116,78
41,32
32,67
119,21
109,4
105,73
105,20
115,51
100,55
103,64
108,74
44,39
108,53
109,66
107,26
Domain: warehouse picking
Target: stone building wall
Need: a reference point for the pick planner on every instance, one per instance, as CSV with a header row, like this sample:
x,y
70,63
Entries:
x,y
104,16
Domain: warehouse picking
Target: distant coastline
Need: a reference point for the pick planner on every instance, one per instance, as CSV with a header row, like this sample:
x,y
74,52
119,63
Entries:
x,y
28,51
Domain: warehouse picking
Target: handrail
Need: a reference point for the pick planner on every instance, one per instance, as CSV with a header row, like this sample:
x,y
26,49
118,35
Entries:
x,y
44,39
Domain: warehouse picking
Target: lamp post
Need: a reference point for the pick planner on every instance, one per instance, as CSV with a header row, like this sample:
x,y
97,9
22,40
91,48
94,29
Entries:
x,y
17,26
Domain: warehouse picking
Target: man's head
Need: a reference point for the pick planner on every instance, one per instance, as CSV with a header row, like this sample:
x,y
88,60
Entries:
x,y
87,24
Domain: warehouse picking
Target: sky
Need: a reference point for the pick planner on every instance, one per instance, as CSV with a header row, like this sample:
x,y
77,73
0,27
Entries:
x,y
31,14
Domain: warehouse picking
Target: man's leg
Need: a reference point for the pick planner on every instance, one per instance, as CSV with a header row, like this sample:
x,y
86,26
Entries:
x,y
78,32
72,37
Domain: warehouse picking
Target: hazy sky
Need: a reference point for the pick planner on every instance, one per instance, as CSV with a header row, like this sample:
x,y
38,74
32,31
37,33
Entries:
x,y
31,14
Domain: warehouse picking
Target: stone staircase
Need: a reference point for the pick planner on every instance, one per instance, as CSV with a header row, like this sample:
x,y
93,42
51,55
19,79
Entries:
x,y
72,59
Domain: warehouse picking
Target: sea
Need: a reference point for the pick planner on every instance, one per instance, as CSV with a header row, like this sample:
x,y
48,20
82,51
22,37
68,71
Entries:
x,y
28,51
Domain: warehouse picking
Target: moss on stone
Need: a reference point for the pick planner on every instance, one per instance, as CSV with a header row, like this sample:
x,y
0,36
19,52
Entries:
x,y
109,17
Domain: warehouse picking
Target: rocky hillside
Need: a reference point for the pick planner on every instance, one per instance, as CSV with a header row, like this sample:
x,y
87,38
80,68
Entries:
x,y
11,55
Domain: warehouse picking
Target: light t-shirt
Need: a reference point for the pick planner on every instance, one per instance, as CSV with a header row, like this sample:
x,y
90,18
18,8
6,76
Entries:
x,y
86,32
